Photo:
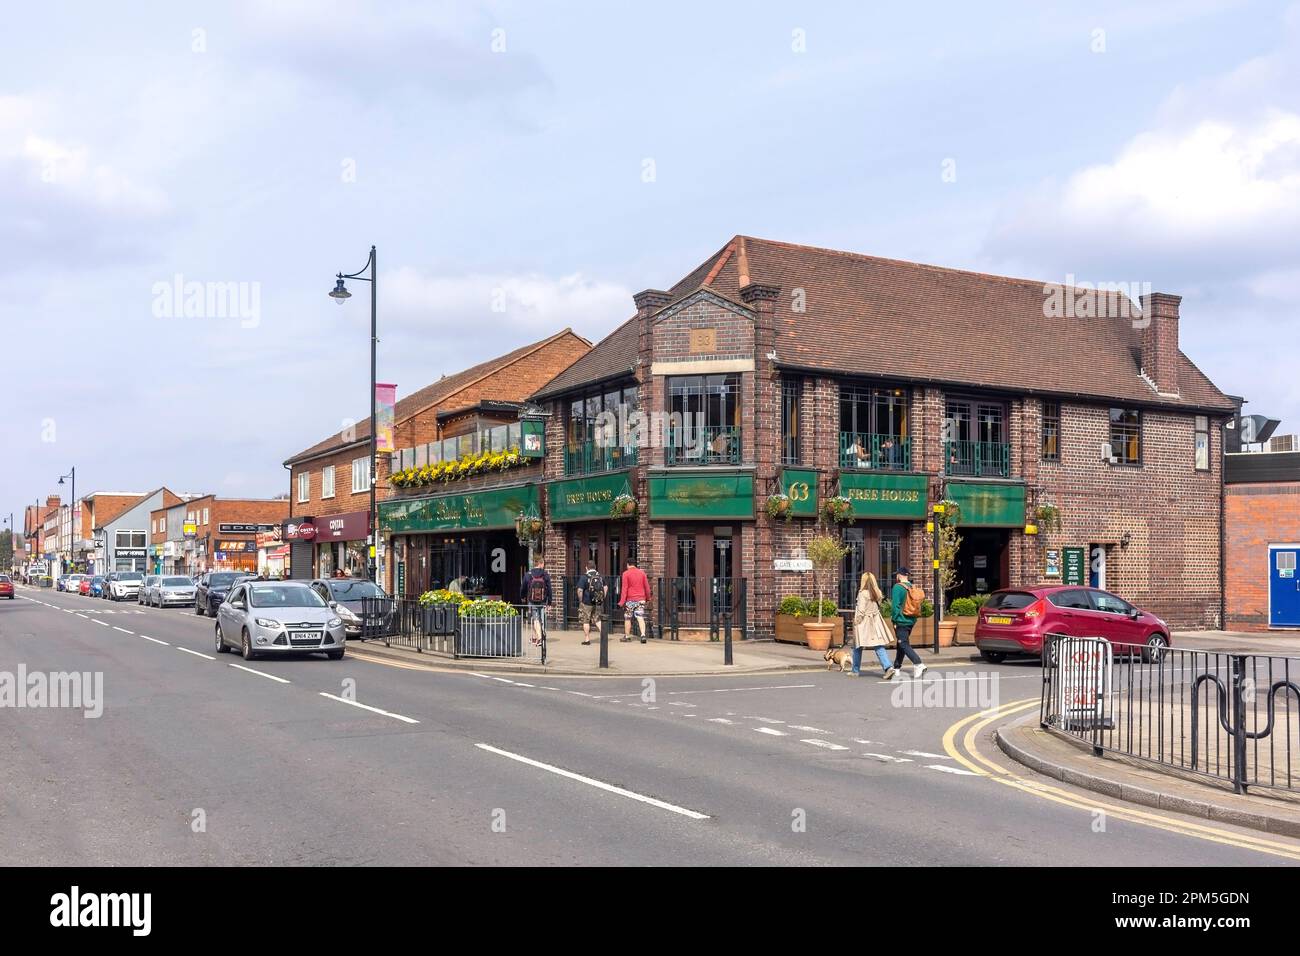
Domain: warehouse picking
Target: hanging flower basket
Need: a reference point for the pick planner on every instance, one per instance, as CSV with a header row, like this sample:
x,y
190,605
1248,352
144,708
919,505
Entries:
x,y
1048,517
778,507
528,528
838,510
623,506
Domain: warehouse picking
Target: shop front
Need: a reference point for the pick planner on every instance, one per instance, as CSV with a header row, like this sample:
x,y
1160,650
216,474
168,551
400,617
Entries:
x,y
235,554
584,507
990,513
272,553
885,507
466,541
321,546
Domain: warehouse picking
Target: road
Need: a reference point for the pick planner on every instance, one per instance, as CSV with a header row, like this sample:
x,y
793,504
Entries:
x,y
201,759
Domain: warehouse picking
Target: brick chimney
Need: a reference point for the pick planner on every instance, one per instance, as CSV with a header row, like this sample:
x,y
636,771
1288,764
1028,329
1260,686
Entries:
x,y
52,502
1160,341
648,303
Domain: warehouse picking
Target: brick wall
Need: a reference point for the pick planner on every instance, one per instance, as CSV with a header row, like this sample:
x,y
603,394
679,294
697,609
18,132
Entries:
x,y
1256,516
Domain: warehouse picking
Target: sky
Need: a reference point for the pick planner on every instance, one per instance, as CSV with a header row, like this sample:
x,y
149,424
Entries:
x,y
523,167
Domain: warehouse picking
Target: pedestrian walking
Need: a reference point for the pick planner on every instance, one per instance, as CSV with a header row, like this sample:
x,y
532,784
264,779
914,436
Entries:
x,y
536,592
633,592
591,601
869,627
905,606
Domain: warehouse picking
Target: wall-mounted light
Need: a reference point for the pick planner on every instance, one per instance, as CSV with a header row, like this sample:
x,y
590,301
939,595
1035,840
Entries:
x,y
1123,541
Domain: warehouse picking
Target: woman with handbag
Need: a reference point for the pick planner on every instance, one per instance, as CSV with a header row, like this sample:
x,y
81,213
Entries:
x,y
869,627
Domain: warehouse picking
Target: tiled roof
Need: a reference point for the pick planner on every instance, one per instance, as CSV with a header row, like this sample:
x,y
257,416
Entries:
x,y
428,396
613,355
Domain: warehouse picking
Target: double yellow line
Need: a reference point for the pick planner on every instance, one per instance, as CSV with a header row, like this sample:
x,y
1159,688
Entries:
x,y
968,755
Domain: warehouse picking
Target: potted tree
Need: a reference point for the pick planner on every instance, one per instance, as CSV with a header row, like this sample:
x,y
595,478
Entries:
x,y
965,611
826,554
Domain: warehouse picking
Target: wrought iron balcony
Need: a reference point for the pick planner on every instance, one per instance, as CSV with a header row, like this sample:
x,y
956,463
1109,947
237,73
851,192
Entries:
x,y
708,445
977,459
590,458
866,450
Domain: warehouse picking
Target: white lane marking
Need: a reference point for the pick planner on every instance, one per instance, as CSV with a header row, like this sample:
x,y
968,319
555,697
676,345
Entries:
x,y
939,766
771,732
859,740
922,753
79,614
550,688
259,673
66,610
599,784
811,730
122,629
501,679
765,720
887,758
520,683
102,623
373,710
155,640
681,703
720,720
721,690
197,654
581,694
824,744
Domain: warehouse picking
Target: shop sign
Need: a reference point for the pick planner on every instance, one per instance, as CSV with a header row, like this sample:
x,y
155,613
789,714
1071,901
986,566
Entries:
x,y
479,510
130,552
190,530
989,505
267,539
236,546
700,495
1074,566
532,433
584,499
245,528
300,531
883,495
1052,563
354,526
800,486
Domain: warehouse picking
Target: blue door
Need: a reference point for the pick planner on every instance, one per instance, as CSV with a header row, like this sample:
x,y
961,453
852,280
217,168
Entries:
x,y
1283,586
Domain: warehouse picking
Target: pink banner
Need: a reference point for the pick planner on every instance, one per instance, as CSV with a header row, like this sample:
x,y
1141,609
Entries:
x,y
385,400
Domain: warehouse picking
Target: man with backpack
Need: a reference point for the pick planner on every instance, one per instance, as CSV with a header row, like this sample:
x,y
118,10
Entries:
x,y
536,592
905,607
591,601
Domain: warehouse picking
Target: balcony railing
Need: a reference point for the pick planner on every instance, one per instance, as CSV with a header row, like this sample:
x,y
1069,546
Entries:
x,y
865,450
590,458
978,459
709,445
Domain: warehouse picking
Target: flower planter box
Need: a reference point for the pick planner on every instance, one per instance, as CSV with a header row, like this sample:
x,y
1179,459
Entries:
x,y
490,637
966,630
438,620
789,629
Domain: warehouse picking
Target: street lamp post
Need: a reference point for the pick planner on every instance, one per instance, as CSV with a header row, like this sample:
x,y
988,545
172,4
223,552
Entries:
x,y
340,294
72,517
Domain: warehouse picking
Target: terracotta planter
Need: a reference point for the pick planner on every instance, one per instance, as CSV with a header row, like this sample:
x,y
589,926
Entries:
x,y
966,630
819,635
789,629
947,632
923,632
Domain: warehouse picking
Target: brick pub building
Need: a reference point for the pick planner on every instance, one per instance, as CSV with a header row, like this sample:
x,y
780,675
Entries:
x,y
897,385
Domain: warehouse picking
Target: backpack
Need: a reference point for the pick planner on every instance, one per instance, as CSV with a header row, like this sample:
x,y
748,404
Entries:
x,y
536,588
912,603
593,589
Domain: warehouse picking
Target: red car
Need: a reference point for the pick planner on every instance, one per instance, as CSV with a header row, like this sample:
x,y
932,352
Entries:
x,y
84,588
6,587
1015,620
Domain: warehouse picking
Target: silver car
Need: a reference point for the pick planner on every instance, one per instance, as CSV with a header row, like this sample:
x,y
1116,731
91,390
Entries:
x,y
170,589
150,582
278,617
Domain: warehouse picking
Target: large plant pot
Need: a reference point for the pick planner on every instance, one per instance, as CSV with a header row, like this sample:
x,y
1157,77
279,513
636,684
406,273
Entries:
x,y
923,632
490,637
439,619
819,635
966,630
947,632
790,629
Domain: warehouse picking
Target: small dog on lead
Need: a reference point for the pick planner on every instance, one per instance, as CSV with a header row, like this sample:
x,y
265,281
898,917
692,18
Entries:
x,y
841,657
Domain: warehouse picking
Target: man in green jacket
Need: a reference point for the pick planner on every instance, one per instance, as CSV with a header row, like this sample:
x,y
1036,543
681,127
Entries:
x,y
903,624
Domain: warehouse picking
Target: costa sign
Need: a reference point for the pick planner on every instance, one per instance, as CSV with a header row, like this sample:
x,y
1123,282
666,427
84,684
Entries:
x,y
353,526
300,532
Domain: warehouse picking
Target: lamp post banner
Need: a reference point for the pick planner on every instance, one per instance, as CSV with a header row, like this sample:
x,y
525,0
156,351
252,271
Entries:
x,y
385,400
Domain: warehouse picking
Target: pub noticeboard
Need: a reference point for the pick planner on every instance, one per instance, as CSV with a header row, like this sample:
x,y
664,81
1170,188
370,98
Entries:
x,y
1074,566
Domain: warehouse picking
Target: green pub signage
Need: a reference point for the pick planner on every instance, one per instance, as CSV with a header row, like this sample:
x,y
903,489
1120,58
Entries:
x,y
885,495
585,499
800,486
474,510
702,495
989,505
1074,566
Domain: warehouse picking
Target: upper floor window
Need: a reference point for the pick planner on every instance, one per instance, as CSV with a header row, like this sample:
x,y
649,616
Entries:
x,y
1126,436
599,434
975,439
304,487
1202,443
874,428
1051,431
128,539
791,393
360,475
704,419
327,481
205,515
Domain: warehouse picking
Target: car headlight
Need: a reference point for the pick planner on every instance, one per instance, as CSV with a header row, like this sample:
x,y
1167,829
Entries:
x,y
334,622
263,622
347,614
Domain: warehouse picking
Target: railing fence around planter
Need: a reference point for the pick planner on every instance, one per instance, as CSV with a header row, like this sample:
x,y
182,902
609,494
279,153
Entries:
x,y
439,629
1230,717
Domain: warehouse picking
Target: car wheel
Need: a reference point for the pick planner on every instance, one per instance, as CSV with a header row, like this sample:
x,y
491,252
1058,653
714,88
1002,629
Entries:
x,y
336,655
246,647
1154,652
222,647
994,657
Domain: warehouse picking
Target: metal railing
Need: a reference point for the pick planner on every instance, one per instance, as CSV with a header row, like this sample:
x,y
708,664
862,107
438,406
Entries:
x,y
591,458
867,450
700,603
705,445
1230,717
977,459
571,606
439,629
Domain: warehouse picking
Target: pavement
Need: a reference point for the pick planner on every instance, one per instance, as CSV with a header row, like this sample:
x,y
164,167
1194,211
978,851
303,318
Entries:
x,y
201,758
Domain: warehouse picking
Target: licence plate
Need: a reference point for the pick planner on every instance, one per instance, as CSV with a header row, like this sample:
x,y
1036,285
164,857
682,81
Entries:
x,y
306,637
1001,619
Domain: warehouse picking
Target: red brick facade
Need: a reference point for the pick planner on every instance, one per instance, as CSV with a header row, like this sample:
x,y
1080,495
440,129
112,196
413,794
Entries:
x,y
1257,515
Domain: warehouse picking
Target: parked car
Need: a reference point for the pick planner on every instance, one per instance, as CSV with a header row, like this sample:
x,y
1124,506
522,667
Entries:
x,y
211,588
146,586
6,587
1015,621
84,587
123,585
347,597
278,617
96,588
170,589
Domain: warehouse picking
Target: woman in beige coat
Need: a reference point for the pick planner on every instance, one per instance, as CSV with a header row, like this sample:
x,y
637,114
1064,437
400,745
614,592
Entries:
x,y
869,627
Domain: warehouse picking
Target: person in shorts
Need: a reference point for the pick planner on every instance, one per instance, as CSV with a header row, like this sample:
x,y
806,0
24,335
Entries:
x,y
536,593
634,592
591,601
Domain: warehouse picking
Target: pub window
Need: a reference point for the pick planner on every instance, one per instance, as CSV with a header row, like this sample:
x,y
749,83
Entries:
x,y
791,393
1126,435
1202,443
1051,431
303,478
360,475
705,418
326,486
